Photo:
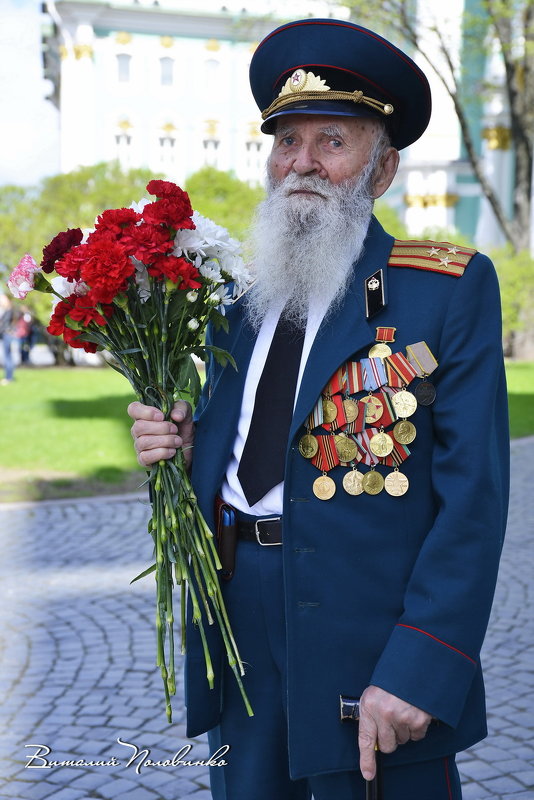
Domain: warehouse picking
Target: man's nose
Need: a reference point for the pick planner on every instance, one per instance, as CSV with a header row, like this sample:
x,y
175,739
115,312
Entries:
x,y
305,162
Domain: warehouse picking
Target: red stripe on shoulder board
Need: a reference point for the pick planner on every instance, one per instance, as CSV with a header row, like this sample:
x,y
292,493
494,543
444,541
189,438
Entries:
x,y
419,630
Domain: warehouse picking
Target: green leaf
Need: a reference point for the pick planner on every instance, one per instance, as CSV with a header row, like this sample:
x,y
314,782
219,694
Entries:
x,y
223,357
144,574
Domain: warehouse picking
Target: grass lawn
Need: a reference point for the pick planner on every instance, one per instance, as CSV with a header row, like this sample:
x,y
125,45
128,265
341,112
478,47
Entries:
x,y
65,432
520,376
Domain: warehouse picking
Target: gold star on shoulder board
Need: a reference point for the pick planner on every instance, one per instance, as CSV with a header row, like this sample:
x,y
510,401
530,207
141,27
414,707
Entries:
x,y
434,251
453,250
444,261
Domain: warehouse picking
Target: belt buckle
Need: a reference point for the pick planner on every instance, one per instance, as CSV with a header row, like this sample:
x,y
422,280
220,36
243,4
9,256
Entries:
x,y
258,532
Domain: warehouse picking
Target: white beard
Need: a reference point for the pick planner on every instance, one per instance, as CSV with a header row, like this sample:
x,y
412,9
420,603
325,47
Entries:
x,y
304,246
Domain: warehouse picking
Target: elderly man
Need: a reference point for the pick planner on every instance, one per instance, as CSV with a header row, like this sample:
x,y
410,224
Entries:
x,y
359,452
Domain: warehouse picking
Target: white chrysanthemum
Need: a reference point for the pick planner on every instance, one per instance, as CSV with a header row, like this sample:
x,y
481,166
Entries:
x,y
142,280
223,297
193,324
211,271
191,297
234,266
138,207
67,288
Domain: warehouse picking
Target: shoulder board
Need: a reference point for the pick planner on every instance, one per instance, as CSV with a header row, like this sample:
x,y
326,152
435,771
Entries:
x,y
444,257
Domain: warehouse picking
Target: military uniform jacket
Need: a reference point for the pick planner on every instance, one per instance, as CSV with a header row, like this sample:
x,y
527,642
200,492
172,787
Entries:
x,y
390,591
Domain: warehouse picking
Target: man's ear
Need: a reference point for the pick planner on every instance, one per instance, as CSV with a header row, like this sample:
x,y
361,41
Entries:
x,y
385,172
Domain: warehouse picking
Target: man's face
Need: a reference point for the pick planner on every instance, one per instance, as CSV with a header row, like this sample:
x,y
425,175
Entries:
x,y
333,148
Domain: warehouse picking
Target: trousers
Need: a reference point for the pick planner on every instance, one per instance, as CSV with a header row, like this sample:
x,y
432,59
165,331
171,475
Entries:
x,y
257,765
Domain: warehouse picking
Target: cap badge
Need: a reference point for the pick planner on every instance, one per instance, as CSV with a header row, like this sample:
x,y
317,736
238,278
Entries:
x,y
373,284
301,80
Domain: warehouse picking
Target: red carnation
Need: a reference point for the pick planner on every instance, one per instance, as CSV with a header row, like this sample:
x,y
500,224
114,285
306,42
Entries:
x,y
69,266
85,311
57,323
165,189
178,270
114,221
174,212
145,241
72,338
105,268
60,245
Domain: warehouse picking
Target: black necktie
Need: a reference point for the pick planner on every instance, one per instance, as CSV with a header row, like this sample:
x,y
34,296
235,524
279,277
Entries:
x,y
263,460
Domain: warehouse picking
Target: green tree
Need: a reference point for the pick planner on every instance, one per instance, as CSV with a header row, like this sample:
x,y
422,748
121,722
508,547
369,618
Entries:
x,y
224,198
30,217
516,279
502,26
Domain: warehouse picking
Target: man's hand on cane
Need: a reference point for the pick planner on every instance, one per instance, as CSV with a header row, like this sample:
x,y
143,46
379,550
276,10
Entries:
x,y
386,721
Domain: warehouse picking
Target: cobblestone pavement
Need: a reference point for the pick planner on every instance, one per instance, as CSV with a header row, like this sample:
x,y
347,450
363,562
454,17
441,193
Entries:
x,y
77,655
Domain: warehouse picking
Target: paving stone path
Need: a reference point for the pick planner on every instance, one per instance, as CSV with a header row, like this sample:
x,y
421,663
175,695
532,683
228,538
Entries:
x,y
77,655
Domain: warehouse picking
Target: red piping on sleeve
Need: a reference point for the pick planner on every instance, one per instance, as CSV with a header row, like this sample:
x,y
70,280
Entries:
x,y
412,628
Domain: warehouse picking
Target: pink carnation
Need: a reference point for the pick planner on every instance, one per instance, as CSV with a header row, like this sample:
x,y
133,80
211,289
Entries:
x,y
21,280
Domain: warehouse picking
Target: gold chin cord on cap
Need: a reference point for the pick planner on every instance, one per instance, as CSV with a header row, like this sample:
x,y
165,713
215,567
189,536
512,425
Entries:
x,y
303,85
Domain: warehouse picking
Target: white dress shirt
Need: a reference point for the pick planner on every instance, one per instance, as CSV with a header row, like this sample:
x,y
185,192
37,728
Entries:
x,y
231,491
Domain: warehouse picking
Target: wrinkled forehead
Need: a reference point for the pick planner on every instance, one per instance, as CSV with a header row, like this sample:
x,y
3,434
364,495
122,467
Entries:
x,y
326,124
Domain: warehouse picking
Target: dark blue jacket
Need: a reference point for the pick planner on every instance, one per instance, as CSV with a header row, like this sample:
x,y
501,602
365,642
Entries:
x,y
391,591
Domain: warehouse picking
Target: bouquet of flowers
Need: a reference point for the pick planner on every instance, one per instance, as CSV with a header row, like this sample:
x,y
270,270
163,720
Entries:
x,y
143,285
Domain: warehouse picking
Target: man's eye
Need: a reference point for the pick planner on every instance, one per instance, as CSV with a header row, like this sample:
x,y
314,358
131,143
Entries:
x,y
336,143
287,141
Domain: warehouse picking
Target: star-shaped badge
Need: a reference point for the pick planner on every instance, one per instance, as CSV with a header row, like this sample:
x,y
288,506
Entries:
x,y
453,250
444,261
434,251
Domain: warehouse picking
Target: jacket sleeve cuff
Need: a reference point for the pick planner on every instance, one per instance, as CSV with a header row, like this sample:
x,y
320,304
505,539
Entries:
x,y
426,672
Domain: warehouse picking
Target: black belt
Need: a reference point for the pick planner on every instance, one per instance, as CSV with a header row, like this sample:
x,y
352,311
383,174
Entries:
x,y
264,530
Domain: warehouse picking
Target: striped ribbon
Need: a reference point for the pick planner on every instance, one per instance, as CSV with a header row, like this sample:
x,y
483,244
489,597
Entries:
x,y
341,417
363,439
399,454
326,458
399,365
354,377
374,373
315,419
337,382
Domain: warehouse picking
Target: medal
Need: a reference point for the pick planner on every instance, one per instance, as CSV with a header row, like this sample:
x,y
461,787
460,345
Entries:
x,y
404,403
396,483
351,409
373,408
308,446
421,358
381,349
381,444
347,449
372,482
352,482
324,487
404,432
329,410
425,393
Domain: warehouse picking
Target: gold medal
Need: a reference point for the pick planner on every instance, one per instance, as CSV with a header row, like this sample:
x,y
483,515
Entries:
x,y
404,403
324,487
380,350
373,408
372,482
347,449
352,482
396,483
329,410
381,444
308,445
351,409
404,432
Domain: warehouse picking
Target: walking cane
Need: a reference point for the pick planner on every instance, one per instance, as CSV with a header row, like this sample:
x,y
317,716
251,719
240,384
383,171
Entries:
x,y
350,712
